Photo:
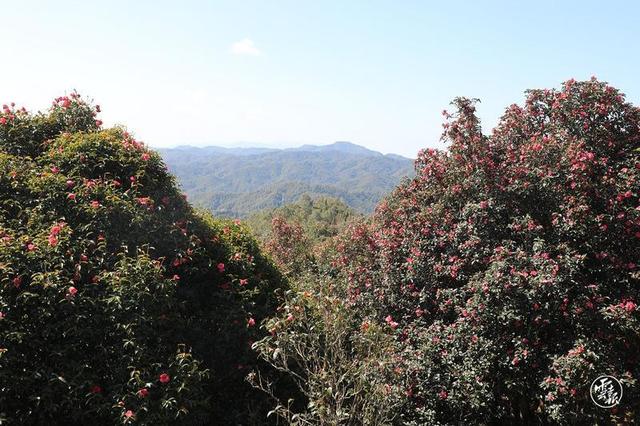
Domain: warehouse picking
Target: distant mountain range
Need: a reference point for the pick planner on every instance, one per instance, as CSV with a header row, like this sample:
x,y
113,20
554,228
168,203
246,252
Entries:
x,y
236,182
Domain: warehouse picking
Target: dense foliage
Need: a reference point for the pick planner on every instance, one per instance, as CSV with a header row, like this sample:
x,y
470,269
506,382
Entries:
x,y
507,270
235,183
118,302
493,287
320,218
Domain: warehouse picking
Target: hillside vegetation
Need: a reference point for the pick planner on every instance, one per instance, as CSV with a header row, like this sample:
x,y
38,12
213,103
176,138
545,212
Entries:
x,y
238,182
320,218
118,301
492,288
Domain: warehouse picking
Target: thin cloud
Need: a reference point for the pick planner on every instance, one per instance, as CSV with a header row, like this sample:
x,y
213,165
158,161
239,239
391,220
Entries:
x,y
245,47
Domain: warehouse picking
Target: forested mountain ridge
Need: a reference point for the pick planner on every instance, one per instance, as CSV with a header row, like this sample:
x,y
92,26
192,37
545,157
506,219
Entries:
x,y
239,181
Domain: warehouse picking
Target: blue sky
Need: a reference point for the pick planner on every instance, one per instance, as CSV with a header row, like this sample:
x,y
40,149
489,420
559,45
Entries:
x,y
284,73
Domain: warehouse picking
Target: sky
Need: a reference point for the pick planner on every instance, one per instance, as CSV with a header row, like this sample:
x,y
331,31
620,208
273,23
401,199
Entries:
x,y
286,73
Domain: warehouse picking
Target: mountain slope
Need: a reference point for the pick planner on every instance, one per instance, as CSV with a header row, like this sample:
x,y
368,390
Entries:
x,y
236,182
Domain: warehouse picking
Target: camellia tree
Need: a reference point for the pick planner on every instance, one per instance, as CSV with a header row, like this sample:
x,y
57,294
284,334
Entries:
x,y
508,267
118,302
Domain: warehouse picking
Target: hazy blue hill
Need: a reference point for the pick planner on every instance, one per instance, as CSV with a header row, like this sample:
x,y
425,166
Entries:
x,y
239,181
344,147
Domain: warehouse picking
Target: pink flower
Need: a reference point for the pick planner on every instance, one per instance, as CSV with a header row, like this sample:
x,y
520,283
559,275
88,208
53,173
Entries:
x,y
128,414
221,267
53,240
145,201
164,378
71,196
145,156
55,170
143,393
176,277
72,291
443,394
484,204
251,322
31,247
629,306
95,204
389,320
17,282
244,281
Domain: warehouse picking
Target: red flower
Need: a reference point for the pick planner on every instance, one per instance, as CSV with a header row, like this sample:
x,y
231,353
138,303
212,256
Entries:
x,y
72,291
443,394
71,196
221,267
389,320
53,240
95,389
164,378
251,322
145,156
629,306
143,393
17,282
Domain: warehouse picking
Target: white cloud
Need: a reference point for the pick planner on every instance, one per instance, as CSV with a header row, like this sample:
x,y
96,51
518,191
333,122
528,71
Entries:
x,y
245,47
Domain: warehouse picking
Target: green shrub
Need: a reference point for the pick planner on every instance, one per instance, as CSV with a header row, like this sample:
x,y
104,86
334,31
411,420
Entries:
x,y
507,269
118,302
